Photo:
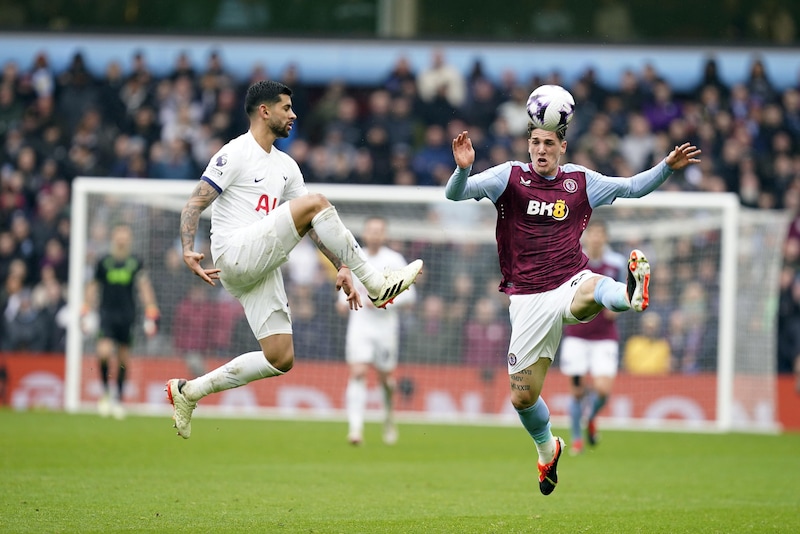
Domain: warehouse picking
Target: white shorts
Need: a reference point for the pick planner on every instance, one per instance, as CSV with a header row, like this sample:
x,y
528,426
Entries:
x,y
375,347
537,322
250,271
598,357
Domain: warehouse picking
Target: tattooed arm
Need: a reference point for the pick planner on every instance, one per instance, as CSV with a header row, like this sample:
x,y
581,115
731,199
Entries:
x,y
344,279
201,198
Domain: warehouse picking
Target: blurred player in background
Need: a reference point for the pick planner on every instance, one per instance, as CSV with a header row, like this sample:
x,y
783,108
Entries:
x,y
592,347
542,210
112,293
261,210
373,339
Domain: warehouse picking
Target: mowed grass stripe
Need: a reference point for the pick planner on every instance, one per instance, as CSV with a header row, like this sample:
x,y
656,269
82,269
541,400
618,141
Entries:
x,y
80,473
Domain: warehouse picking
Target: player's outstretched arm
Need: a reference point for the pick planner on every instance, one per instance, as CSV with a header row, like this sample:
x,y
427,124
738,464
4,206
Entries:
x,y
683,156
202,197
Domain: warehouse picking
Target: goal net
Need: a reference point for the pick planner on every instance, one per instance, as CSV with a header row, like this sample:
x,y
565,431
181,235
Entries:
x,y
715,269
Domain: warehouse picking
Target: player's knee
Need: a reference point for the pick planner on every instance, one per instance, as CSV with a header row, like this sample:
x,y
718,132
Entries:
x,y
282,362
318,202
523,399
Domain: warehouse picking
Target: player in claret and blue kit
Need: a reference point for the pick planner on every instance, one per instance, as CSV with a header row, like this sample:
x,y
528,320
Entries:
x,y
542,209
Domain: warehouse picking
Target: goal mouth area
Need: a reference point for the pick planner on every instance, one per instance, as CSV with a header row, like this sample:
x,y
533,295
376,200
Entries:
x,y
731,389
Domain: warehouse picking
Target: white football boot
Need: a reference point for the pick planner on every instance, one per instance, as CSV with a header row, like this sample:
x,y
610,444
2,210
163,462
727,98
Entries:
x,y
395,282
182,407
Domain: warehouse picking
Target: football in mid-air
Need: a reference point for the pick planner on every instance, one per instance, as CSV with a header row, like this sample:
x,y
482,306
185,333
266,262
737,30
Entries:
x,y
551,107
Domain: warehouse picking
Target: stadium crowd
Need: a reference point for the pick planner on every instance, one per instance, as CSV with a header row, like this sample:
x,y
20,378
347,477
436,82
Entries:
x,y
128,123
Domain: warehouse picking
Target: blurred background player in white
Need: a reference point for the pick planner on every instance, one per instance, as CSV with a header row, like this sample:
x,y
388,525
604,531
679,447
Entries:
x,y
542,210
261,210
118,277
373,339
592,348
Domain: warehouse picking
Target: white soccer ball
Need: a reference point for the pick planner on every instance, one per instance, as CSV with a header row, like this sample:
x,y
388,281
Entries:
x,y
550,107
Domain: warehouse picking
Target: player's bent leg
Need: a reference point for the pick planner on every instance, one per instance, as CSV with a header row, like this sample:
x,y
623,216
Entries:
x,y
314,211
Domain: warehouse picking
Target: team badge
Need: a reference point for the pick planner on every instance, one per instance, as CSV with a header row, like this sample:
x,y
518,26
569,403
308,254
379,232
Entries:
x,y
512,359
570,185
222,160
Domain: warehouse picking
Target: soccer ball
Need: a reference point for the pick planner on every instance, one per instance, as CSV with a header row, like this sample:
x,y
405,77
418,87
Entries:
x,y
551,107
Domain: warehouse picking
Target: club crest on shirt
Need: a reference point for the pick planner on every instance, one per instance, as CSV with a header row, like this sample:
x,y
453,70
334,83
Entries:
x,y
570,185
512,359
222,160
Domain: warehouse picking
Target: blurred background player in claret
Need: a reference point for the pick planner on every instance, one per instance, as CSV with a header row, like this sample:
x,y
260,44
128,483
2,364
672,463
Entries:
x,y
592,348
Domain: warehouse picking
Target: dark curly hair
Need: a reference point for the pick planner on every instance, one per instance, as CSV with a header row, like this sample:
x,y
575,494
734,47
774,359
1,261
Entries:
x,y
264,92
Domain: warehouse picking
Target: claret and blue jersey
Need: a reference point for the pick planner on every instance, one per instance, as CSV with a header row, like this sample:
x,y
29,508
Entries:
x,y
540,219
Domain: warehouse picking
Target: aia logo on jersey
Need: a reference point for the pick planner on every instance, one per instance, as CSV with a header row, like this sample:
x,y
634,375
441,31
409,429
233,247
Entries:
x,y
266,204
558,210
222,159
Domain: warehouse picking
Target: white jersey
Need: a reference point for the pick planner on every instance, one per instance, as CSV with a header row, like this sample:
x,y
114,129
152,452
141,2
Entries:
x,y
251,182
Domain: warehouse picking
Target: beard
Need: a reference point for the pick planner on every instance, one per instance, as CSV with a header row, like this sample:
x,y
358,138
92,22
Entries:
x,y
279,130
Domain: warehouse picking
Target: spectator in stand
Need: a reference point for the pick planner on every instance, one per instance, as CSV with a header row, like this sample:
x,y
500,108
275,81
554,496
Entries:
x,y
400,74
648,352
26,328
441,79
663,108
435,153
637,145
514,110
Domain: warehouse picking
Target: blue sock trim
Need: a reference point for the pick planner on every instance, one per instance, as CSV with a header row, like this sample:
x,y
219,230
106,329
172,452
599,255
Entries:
x,y
575,418
612,295
536,420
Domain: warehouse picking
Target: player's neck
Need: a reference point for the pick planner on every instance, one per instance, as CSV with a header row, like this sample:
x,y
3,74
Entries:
x,y
263,137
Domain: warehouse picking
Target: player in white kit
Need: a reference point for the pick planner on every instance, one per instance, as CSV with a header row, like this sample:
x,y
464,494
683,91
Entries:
x,y
261,209
373,339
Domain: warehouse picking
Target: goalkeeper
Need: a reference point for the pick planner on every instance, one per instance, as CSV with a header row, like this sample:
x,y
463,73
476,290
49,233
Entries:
x,y
542,209
261,209
112,291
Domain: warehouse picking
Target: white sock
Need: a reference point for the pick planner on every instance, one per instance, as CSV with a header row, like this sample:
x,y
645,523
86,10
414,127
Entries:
x,y
547,451
239,371
356,398
341,242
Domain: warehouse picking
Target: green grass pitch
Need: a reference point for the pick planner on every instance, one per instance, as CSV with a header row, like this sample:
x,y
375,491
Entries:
x,y
80,473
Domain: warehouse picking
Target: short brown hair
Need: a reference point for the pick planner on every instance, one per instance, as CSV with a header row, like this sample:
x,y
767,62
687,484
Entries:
x,y
561,132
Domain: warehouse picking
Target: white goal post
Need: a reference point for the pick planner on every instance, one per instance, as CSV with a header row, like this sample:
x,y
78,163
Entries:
x,y
730,383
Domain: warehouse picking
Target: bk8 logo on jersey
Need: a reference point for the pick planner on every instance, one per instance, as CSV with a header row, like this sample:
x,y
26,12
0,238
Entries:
x,y
551,107
558,210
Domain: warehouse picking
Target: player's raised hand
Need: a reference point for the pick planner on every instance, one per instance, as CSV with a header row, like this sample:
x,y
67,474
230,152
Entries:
x,y
344,281
683,156
463,152
192,260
